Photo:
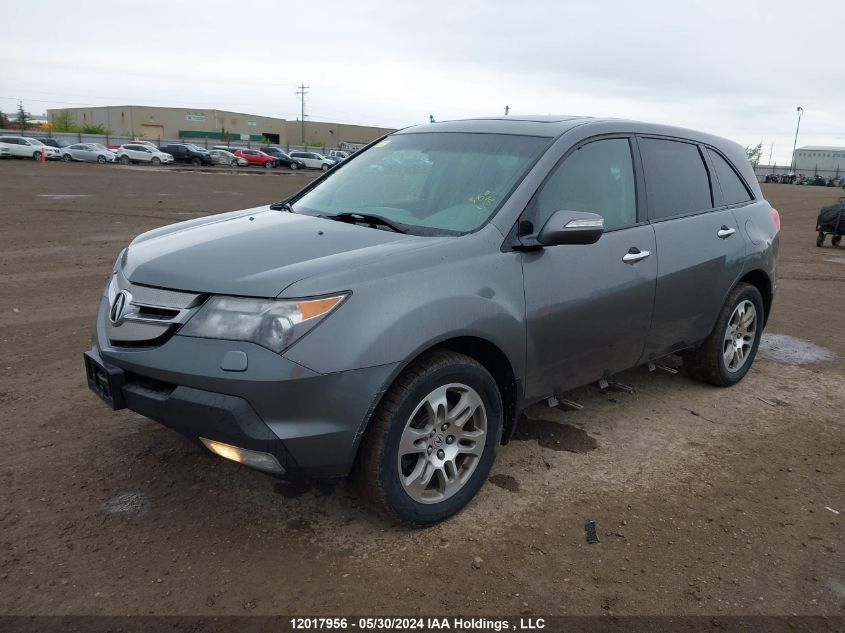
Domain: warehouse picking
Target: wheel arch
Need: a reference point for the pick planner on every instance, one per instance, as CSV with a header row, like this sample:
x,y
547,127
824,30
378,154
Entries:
x,y
761,280
482,350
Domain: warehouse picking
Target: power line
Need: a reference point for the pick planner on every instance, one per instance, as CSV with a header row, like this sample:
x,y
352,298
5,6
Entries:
x,y
303,90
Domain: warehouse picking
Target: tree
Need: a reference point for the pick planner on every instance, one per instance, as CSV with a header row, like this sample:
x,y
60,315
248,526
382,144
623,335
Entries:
x,y
4,121
754,153
23,117
63,122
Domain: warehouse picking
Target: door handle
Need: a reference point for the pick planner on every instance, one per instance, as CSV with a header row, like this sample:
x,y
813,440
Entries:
x,y
634,255
725,232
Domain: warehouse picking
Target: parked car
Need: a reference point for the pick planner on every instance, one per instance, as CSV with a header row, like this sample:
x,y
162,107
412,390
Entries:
x,y
338,153
138,153
313,160
402,329
188,153
5,151
28,147
89,152
282,159
256,157
53,142
225,157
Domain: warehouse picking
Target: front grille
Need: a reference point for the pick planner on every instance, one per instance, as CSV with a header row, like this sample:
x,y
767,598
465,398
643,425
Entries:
x,y
150,316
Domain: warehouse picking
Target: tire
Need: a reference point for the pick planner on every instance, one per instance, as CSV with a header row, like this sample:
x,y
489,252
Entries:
x,y
66,158
234,163
292,166
835,240
324,167
124,160
401,416
156,161
36,156
101,159
196,162
708,363
820,239
269,164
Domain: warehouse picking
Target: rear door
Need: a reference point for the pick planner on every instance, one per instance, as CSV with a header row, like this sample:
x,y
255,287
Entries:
x,y
588,307
700,251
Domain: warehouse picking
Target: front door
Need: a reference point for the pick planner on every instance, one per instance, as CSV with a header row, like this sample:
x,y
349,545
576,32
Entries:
x,y
588,307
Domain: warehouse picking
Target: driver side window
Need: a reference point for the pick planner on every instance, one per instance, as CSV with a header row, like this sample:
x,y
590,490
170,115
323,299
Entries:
x,y
597,177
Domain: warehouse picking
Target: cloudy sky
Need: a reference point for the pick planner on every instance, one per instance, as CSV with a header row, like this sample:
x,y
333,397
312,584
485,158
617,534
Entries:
x,y
737,68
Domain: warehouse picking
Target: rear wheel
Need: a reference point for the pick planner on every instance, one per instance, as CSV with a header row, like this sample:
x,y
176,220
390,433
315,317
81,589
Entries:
x,y
835,240
433,439
820,239
726,355
124,160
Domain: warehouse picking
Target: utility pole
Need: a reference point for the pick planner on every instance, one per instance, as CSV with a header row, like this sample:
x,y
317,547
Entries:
x,y
303,90
507,109
800,112
771,149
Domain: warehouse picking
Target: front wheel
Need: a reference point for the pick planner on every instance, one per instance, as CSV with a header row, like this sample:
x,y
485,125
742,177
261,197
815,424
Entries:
x,y
66,158
269,164
820,239
292,166
36,156
726,355
234,163
324,167
156,161
432,440
835,240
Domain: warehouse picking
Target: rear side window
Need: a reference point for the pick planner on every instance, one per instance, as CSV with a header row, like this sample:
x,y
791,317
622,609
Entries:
x,y
734,190
597,177
676,178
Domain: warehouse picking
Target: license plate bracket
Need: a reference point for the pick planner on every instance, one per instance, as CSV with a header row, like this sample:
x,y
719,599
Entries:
x,y
105,381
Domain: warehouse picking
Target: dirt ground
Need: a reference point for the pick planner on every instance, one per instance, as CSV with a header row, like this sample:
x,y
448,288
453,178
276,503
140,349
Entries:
x,y
707,501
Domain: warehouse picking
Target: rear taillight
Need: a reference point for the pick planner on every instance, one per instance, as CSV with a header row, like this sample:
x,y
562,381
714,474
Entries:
x,y
776,218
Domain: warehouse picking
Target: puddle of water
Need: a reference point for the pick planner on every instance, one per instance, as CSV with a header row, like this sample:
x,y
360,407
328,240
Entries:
x,y
125,503
835,260
505,481
63,196
556,436
783,348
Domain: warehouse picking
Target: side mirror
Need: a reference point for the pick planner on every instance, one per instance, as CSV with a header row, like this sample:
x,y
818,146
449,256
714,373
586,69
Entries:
x,y
571,227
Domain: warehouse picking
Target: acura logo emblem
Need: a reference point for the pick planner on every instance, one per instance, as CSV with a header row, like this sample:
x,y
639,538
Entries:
x,y
120,307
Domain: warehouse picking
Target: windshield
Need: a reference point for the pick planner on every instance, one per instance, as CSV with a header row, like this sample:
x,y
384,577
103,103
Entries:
x,y
444,183
98,146
33,141
196,148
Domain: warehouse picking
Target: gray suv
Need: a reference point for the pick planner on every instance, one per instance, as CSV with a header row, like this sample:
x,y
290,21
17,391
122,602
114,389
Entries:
x,y
390,320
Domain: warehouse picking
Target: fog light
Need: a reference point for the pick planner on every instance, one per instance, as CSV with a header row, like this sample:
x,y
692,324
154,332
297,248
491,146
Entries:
x,y
253,459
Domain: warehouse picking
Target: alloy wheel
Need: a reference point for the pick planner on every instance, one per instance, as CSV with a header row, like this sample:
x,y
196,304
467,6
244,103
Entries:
x,y
739,336
442,443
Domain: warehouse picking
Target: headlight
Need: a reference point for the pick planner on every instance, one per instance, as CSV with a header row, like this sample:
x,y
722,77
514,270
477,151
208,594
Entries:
x,y
274,324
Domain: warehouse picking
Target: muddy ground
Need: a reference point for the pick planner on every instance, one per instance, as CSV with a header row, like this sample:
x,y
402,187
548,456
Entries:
x,y
707,501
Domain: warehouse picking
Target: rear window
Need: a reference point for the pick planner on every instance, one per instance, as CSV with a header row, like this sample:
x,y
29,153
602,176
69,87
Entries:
x,y
733,188
677,182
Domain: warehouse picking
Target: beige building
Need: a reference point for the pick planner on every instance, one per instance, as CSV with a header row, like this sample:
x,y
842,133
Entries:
x,y
163,124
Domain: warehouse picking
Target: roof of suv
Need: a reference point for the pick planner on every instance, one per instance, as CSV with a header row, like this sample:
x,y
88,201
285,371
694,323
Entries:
x,y
553,126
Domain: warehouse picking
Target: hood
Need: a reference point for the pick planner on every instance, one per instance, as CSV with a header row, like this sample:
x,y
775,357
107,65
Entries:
x,y
255,252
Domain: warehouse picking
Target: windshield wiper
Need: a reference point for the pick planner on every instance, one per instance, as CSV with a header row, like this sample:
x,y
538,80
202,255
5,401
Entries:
x,y
282,205
368,218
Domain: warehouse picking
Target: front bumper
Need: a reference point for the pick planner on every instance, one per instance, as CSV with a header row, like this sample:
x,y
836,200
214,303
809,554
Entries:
x,y
311,423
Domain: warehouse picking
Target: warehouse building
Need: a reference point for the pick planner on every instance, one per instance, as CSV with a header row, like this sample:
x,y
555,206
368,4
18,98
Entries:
x,y
820,159
196,124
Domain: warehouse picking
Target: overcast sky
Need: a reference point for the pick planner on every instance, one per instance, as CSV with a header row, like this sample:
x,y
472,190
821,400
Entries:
x,y
738,68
